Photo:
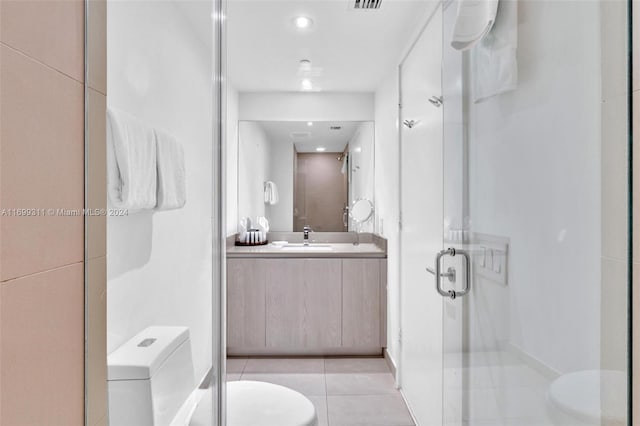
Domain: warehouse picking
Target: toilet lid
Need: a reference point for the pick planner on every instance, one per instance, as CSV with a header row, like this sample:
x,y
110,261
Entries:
x,y
252,403
592,396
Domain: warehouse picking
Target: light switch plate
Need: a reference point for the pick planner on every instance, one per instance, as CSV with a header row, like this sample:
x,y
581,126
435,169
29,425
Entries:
x,y
491,257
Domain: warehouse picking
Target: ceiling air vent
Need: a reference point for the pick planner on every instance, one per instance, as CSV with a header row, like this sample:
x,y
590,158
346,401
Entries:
x,y
335,127
367,4
299,135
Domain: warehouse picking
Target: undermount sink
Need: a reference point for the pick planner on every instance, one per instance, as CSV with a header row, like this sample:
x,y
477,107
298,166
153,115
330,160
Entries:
x,y
311,246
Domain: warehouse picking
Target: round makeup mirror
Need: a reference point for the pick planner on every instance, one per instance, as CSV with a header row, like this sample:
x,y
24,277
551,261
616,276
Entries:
x,y
361,212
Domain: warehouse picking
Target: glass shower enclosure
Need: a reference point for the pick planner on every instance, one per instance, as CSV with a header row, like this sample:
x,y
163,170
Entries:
x,y
515,297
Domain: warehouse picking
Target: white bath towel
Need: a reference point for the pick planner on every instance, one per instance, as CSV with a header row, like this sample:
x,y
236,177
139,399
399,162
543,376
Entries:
x,y
474,20
271,193
131,162
172,189
494,65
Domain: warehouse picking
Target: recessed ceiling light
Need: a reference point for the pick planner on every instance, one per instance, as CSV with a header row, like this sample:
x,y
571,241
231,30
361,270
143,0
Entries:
x,y
303,22
309,123
321,149
306,84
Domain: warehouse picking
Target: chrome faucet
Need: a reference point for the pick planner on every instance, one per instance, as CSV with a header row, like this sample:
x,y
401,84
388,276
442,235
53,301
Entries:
x,y
306,231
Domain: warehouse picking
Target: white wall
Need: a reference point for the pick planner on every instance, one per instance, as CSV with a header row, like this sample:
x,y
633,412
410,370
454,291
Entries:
x,y
159,264
362,173
253,169
281,159
535,178
387,201
231,161
306,106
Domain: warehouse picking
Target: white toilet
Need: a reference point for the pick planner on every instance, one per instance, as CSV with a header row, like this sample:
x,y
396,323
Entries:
x,y
151,383
589,397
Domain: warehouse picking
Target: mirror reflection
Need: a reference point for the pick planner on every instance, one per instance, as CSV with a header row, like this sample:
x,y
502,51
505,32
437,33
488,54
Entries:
x,y
305,173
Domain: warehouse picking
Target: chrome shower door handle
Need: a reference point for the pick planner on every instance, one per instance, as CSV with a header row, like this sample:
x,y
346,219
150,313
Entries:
x,y
438,273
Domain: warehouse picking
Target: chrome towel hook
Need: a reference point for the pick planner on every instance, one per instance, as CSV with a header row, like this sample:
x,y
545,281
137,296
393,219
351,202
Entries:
x,y
436,101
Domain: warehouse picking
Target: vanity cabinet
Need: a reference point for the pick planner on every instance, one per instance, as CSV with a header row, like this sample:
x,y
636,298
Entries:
x,y
246,292
306,306
362,311
303,303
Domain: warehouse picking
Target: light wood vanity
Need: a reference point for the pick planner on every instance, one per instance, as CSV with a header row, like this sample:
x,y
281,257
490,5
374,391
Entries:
x,y
328,303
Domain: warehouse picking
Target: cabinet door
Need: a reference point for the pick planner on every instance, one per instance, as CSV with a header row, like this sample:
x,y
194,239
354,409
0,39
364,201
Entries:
x,y
304,303
361,303
246,303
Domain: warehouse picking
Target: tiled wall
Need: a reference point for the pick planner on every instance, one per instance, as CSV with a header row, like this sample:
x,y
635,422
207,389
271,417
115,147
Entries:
x,y
42,167
96,226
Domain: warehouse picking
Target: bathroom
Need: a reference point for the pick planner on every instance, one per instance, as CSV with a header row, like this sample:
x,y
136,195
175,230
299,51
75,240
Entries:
x,y
335,306
318,213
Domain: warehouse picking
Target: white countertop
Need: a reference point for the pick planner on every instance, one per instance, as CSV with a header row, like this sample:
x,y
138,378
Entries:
x,y
338,250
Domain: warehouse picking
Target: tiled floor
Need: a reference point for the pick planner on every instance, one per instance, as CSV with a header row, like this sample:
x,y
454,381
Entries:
x,y
494,388
345,391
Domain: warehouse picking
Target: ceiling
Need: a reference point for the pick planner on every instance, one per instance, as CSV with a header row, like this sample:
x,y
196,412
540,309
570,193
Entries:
x,y
350,50
311,137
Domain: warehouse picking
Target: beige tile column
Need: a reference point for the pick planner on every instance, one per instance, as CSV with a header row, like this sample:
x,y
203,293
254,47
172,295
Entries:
x,y
41,256
96,379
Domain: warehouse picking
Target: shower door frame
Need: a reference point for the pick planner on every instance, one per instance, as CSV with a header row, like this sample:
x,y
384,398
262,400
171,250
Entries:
x,y
218,302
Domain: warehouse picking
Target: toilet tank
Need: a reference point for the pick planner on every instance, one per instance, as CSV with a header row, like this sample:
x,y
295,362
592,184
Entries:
x,y
150,377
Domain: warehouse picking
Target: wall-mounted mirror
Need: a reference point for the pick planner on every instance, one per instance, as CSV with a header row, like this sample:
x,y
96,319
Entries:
x,y
305,173
362,211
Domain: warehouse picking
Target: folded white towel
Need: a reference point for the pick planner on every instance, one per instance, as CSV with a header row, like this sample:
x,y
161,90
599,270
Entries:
x,y
172,190
494,65
131,162
473,21
244,224
263,227
271,193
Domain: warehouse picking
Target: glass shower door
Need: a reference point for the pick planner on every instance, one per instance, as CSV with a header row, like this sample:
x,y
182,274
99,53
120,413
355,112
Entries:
x,y
420,373
535,189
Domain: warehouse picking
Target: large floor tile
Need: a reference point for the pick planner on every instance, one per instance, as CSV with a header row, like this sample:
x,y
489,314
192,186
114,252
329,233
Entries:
x,y
320,402
476,406
360,384
284,365
356,365
309,384
51,31
42,166
42,349
368,410
509,376
521,402
236,365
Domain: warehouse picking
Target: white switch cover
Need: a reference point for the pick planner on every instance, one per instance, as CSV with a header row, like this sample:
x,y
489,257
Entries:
x,y
491,257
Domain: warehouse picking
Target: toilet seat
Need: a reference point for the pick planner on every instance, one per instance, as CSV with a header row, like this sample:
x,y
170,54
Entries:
x,y
592,397
252,403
